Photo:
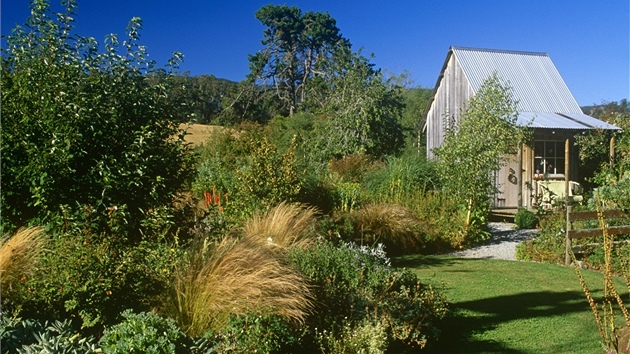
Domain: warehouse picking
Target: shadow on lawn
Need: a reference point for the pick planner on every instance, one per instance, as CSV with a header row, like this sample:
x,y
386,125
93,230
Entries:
x,y
458,329
423,261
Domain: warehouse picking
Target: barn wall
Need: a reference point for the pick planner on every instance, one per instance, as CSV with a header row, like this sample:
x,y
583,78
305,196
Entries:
x,y
453,91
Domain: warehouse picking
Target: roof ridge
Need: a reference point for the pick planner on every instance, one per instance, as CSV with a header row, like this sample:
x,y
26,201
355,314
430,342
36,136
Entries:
x,y
499,51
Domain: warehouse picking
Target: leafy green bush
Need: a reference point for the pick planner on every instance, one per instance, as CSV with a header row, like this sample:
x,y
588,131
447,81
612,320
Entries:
x,y
525,219
352,283
549,246
82,127
141,333
253,334
91,279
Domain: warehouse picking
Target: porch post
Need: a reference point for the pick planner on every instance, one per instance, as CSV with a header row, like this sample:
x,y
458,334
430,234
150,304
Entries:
x,y
567,255
519,174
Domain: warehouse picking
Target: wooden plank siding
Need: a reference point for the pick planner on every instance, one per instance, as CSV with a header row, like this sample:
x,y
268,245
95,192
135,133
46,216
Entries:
x,y
452,93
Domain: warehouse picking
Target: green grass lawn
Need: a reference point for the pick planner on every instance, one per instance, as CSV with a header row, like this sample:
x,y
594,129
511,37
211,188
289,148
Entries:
x,y
512,307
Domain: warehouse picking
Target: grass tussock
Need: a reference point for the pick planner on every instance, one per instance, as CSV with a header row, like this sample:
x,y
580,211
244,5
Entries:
x,y
393,225
236,277
18,255
285,226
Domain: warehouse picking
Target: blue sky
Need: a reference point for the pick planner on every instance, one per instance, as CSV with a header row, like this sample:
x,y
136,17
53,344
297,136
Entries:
x,y
588,41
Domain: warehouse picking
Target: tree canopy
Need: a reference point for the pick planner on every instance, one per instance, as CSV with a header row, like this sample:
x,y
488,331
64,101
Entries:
x,y
479,143
83,128
298,47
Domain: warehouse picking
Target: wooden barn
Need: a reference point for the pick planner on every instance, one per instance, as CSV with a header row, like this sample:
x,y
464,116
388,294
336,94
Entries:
x,y
544,103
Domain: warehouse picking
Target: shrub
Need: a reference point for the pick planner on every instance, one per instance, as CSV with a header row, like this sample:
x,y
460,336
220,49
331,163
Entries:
x,y
82,127
351,283
91,279
253,334
367,336
19,255
525,219
444,222
549,246
235,277
141,333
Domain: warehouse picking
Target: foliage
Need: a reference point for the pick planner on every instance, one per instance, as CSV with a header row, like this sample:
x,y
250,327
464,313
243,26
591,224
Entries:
x,y
368,336
251,170
235,277
478,145
525,219
352,283
253,334
594,146
415,102
143,332
82,127
549,246
29,336
298,47
90,279
19,255
614,339
361,112
268,177
401,179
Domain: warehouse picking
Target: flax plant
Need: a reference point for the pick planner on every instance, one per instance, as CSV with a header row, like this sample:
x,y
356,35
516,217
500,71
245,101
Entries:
x,y
18,255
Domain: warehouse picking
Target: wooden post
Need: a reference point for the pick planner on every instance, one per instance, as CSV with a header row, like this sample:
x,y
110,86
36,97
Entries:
x,y
519,175
612,151
567,255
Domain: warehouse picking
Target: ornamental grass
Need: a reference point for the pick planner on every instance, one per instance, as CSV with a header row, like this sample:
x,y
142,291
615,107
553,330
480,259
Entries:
x,y
18,256
392,225
238,276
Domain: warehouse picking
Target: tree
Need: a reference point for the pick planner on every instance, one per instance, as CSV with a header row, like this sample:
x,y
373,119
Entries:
x,y
298,47
83,128
478,145
594,146
361,110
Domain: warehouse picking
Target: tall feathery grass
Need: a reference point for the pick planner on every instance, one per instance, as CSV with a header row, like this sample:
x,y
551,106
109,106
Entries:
x,y
392,225
18,255
285,226
240,276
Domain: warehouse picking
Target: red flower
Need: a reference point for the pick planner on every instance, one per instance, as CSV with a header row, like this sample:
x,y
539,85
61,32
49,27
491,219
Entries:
x,y
208,198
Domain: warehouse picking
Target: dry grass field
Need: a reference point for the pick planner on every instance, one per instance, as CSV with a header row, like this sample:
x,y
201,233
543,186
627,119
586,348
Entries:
x,y
198,133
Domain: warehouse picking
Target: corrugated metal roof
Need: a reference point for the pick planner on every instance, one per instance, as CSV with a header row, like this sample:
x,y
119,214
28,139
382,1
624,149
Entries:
x,y
576,121
536,83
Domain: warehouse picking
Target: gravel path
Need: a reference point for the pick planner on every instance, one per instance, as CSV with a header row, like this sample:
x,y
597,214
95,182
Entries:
x,y
502,244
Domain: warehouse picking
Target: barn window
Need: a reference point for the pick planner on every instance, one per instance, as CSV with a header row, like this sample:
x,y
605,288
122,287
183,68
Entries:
x,y
549,158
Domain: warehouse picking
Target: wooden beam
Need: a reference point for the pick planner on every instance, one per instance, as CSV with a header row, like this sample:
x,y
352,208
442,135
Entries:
x,y
586,233
592,215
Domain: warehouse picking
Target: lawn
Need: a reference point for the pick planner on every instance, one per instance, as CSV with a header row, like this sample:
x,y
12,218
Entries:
x,y
511,306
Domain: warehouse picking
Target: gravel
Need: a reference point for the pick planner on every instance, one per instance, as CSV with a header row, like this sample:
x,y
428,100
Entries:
x,y
502,244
